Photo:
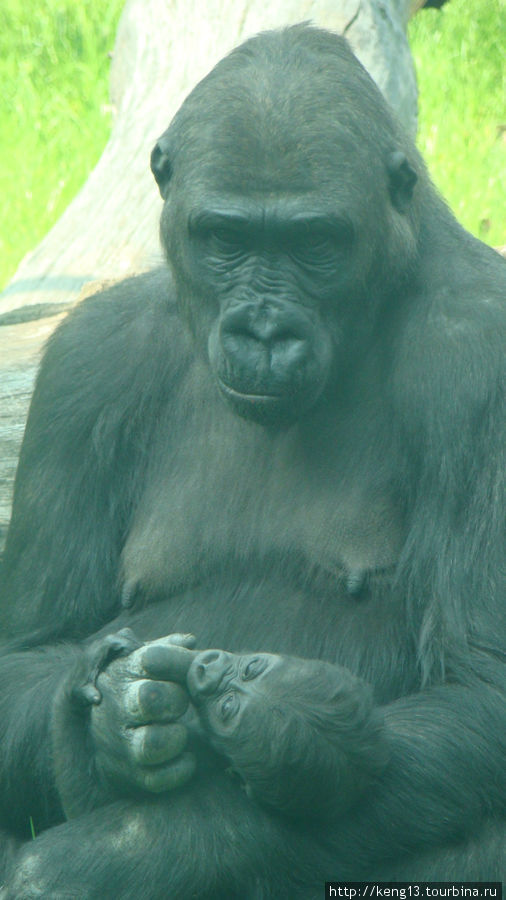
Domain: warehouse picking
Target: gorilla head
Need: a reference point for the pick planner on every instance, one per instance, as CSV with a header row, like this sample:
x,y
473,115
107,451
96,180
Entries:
x,y
299,733
290,218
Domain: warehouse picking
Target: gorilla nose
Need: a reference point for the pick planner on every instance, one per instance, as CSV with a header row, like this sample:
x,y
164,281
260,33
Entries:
x,y
264,324
207,671
267,332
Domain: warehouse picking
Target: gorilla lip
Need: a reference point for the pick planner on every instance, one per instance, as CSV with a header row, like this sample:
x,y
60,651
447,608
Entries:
x,y
231,392
277,411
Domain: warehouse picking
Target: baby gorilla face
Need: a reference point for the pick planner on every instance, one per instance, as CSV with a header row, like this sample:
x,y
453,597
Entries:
x,y
231,691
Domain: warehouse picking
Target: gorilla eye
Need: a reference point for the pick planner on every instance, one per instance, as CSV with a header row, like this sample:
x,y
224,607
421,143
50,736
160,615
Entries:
x,y
228,707
314,248
318,241
253,668
320,246
224,235
225,241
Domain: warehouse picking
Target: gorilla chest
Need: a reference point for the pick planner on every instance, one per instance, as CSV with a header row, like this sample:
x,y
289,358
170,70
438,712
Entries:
x,y
243,501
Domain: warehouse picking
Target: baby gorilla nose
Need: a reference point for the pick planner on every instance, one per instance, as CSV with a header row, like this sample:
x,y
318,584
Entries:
x,y
207,672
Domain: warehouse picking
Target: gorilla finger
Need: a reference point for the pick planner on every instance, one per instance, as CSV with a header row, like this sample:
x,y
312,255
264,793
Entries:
x,y
181,640
103,652
168,777
166,661
155,744
155,701
125,641
85,695
175,639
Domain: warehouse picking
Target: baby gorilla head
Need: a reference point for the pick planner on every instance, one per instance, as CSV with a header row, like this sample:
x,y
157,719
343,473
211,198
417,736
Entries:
x,y
302,734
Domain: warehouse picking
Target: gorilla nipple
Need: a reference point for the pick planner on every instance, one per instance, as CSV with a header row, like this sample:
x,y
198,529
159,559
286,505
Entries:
x,y
355,581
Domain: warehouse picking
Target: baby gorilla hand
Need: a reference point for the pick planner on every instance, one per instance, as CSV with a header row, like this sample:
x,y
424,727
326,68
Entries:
x,y
136,702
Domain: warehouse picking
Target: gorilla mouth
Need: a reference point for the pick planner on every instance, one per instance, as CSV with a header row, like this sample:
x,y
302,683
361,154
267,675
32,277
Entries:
x,y
248,397
270,410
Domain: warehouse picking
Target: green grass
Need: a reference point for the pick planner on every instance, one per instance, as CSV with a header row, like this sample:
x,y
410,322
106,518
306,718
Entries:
x,y
54,111
459,55
55,116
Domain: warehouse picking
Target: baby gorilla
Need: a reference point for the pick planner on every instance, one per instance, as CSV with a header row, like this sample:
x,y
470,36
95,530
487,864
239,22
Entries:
x,y
303,735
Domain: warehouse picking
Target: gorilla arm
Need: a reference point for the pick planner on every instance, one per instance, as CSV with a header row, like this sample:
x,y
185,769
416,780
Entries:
x,y
72,502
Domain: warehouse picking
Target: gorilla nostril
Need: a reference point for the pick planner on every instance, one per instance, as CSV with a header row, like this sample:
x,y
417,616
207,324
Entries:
x,y
207,657
207,670
267,334
270,333
263,324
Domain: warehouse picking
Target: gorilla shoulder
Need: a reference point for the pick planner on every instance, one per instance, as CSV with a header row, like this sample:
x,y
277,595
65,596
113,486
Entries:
x,y
118,345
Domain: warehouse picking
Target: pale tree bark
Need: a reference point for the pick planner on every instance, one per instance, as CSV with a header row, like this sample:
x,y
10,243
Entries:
x,y
163,47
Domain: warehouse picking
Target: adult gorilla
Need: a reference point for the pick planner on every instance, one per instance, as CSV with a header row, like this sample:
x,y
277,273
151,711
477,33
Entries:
x,y
290,441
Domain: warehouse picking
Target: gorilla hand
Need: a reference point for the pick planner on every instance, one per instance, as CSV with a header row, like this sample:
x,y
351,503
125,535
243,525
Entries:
x,y
115,721
134,727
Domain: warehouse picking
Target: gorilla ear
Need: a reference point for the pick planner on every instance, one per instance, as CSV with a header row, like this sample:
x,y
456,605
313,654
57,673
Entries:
x,y
161,165
402,180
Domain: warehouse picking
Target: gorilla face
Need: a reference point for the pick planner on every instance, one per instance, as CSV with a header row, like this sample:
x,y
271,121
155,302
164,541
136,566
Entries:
x,y
268,349
284,228
270,269
228,688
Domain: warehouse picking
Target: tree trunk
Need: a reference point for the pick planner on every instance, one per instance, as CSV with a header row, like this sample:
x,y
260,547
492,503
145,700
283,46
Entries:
x,y
111,228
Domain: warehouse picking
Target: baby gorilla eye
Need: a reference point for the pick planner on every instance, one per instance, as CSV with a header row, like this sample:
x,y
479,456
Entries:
x,y
228,707
253,668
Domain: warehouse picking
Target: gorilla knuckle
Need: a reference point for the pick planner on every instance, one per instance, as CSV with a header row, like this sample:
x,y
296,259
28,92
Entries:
x,y
159,699
155,744
151,701
156,780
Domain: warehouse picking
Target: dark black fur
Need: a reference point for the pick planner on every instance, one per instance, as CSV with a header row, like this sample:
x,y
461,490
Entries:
x,y
279,449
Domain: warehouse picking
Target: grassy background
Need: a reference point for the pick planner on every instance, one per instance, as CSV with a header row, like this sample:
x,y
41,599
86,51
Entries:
x,y
459,56
55,116
54,111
